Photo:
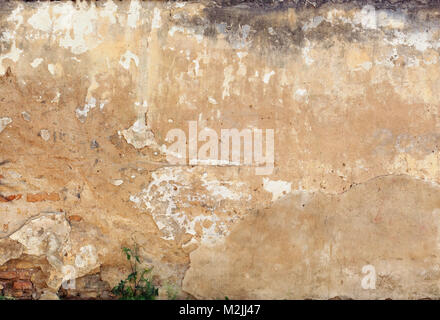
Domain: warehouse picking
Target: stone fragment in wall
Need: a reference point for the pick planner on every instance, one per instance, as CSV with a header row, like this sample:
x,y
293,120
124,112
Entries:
x,y
45,134
9,249
139,135
26,116
48,295
46,235
4,122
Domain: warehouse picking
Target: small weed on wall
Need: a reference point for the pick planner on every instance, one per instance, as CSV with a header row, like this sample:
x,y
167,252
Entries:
x,y
138,284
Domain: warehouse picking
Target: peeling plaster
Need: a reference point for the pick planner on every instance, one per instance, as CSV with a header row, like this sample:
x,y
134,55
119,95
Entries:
x,y
126,59
139,134
278,188
356,114
4,123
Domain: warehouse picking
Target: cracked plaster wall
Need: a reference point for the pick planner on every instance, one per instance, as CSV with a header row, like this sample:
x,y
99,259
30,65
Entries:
x,y
89,90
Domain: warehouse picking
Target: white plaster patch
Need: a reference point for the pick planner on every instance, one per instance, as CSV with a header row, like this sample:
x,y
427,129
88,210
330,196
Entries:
x,y
421,40
126,58
16,17
82,114
7,36
86,258
228,79
170,198
219,190
26,116
78,21
367,17
156,23
196,67
51,68
278,188
211,100
186,31
242,54
117,182
301,95
41,19
109,11
45,134
4,123
133,13
36,62
139,134
173,30
267,76
13,54
102,104
56,99
165,186
305,53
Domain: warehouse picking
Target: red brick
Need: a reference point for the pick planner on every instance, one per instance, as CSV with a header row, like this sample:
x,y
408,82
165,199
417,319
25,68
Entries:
x,y
10,197
53,196
42,196
75,218
8,275
22,285
20,294
13,197
24,274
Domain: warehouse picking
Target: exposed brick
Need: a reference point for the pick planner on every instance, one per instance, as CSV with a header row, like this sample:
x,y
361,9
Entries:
x,y
10,197
17,294
14,197
75,218
22,285
20,294
53,196
8,275
25,274
18,196
42,196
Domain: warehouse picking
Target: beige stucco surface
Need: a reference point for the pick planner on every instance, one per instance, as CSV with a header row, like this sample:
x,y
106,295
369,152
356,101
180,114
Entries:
x,y
89,91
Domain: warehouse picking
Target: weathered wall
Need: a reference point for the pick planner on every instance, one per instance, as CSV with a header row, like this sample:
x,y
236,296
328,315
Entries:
x,y
89,91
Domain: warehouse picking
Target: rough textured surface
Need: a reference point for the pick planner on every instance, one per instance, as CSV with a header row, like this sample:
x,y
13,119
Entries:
x,y
89,91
